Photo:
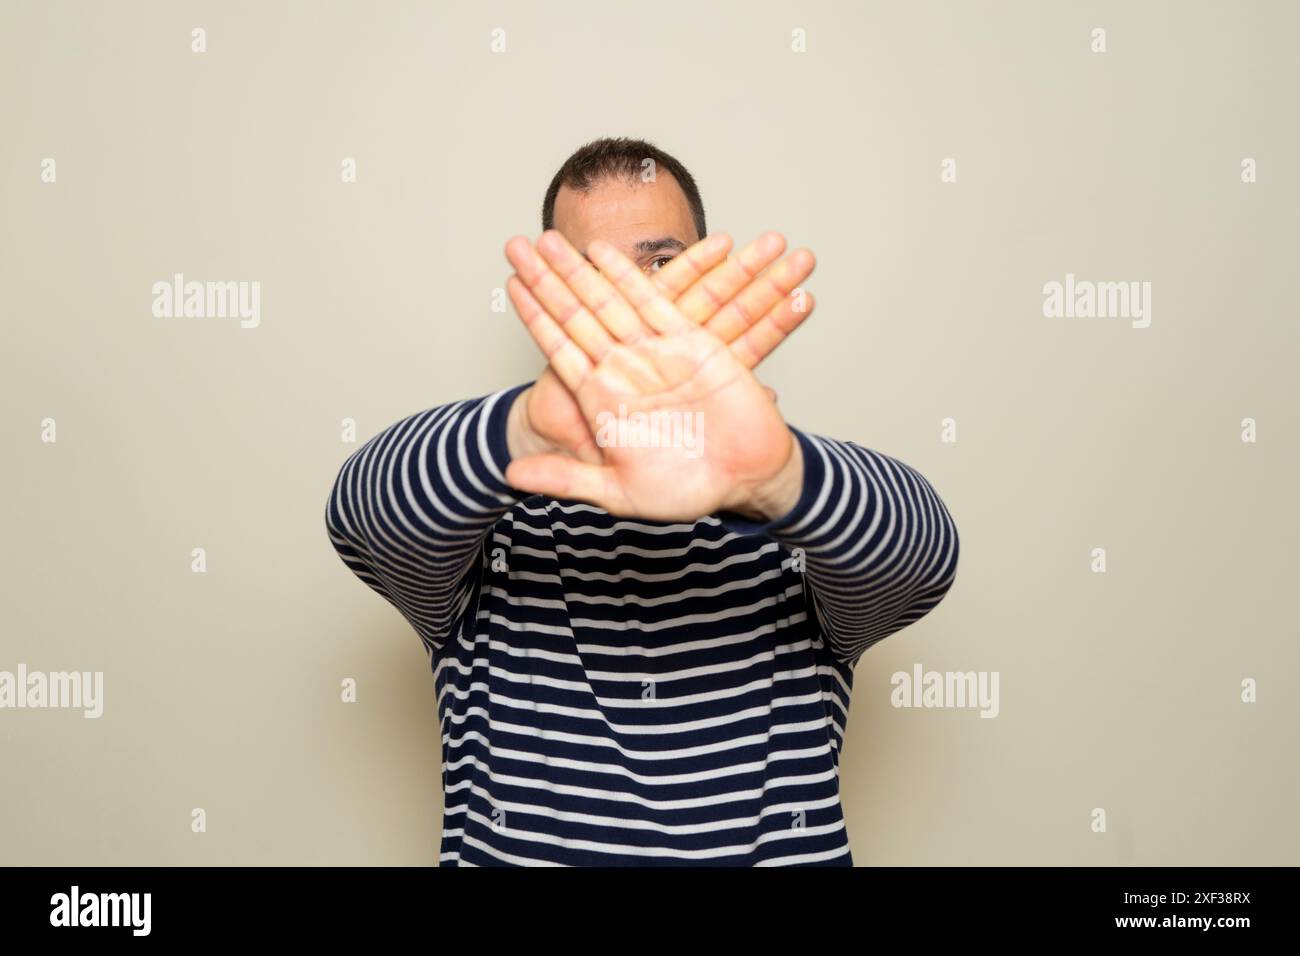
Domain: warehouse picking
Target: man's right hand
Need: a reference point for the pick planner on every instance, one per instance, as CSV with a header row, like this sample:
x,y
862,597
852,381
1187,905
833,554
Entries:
x,y
728,297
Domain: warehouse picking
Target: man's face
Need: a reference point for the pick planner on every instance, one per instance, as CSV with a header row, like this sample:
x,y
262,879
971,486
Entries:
x,y
648,222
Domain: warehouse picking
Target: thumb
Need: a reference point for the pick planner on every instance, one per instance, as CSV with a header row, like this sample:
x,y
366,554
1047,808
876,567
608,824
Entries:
x,y
562,476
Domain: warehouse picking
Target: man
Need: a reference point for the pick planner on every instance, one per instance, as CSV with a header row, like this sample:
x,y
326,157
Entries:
x,y
642,592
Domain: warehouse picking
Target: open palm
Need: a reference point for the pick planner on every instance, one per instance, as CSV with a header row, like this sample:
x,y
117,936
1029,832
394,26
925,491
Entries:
x,y
727,296
682,427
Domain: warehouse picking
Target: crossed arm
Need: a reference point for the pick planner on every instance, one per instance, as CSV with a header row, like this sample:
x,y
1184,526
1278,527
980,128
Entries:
x,y
410,509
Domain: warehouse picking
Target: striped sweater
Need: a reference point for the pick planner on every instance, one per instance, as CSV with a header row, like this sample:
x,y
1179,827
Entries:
x,y
617,692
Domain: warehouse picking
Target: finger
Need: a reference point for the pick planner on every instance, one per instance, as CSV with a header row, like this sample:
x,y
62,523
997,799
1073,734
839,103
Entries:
x,y
560,476
758,298
558,300
576,282
769,332
632,284
707,296
571,364
684,270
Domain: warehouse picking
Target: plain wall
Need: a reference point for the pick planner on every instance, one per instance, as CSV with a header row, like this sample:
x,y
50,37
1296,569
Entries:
x,y
1119,691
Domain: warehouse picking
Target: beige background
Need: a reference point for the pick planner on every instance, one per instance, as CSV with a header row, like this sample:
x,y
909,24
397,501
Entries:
x,y
1119,691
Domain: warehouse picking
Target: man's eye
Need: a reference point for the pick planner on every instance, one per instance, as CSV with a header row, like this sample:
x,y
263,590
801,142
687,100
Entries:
x,y
657,263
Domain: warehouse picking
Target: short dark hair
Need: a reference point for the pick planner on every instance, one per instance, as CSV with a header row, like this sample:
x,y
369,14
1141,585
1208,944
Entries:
x,y
623,157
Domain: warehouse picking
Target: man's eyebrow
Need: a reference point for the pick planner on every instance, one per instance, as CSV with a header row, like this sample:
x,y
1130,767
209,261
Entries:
x,y
666,244
647,246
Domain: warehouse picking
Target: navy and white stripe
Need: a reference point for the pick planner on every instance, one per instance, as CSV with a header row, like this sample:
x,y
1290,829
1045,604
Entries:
x,y
618,692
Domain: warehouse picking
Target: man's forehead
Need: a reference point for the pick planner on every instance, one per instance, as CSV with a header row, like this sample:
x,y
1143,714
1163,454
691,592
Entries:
x,y
640,217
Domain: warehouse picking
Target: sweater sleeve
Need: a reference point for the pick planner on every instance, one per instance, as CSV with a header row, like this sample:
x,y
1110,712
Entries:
x,y
878,546
410,509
